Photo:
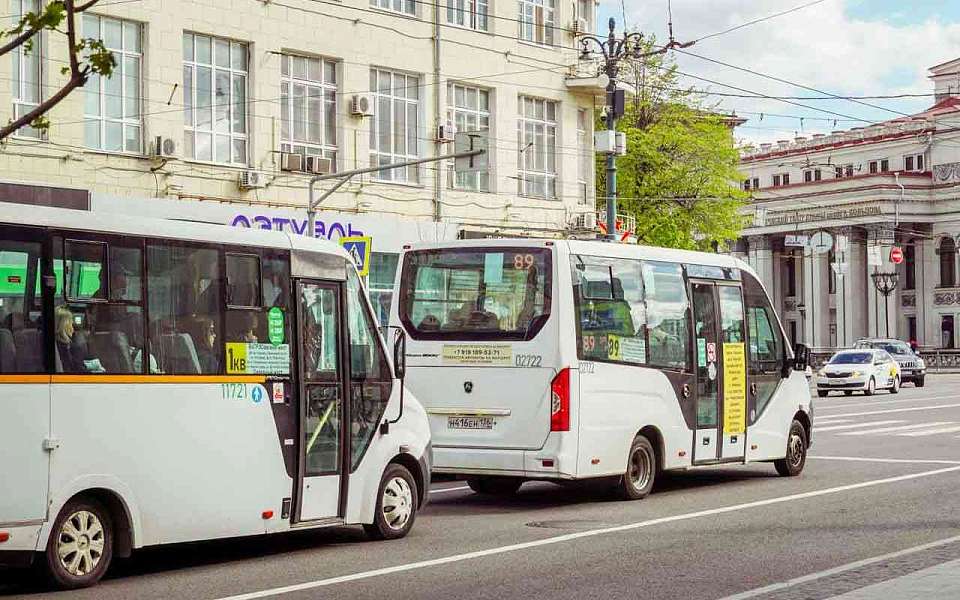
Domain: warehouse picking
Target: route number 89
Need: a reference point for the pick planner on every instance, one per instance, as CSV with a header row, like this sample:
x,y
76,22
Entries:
x,y
522,261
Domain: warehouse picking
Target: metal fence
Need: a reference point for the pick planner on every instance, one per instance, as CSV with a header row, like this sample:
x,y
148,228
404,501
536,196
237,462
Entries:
x,y
937,359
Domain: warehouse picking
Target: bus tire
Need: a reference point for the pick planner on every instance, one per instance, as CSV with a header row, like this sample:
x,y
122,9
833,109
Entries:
x,y
637,481
792,464
495,486
396,505
80,547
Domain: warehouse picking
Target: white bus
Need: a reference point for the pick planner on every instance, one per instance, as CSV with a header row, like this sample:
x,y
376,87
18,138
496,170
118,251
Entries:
x,y
167,381
563,360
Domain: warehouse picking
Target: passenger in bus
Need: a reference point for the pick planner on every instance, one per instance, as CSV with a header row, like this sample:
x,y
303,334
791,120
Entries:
x,y
64,336
245,329
205,339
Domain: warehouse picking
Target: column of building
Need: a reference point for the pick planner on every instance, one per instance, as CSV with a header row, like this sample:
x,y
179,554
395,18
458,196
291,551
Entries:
x,y
816,299
852,291
760,257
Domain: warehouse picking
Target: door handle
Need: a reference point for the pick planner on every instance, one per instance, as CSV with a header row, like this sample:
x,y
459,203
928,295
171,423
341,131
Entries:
x,y
685,390
753,389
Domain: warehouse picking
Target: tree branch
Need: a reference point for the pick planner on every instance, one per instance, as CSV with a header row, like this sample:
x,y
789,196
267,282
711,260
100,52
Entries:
x,y
86,6
18,41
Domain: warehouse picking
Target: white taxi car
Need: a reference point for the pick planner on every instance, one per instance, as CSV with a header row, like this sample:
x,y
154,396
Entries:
x,y
862,370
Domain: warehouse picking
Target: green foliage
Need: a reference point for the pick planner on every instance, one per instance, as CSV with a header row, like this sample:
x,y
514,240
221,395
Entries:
x,y
679,177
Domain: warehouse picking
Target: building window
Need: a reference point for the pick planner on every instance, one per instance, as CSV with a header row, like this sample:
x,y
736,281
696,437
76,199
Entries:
x,y
537,21
383,273
946,331
911,329
587,10
812,175
756,183
537,141
585,154
831,273
27,71
807,176
407,7
884,165
781,179
113,120
948,262
913,162
776,181
468,109
746,185
395,125
215,99
910,265
817,175
848,171
838,171
471,14
308,107
790,276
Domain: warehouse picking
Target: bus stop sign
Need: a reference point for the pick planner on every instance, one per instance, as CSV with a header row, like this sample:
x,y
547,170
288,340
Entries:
x,y
358,247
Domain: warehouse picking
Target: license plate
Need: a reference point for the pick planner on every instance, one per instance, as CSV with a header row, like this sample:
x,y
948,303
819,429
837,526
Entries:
x,y
470,422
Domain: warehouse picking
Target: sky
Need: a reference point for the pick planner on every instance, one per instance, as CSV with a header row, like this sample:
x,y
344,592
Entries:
x,y
842,47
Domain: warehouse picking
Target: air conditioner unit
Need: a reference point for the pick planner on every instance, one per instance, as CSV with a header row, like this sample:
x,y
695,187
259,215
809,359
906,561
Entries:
x,y
164,147
361,105
291,162
579,27
586,221
318,165
446,133
251,180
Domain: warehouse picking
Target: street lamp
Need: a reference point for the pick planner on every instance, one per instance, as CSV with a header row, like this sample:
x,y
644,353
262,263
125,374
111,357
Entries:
x,y
886,283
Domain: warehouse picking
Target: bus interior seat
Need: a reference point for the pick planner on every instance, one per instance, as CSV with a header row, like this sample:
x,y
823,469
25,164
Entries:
x,y
29,350
429,323
178,354
113,350
8,352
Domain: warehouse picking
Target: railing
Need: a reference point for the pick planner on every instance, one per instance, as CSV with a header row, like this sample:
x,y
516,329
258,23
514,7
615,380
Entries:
x,y
937,359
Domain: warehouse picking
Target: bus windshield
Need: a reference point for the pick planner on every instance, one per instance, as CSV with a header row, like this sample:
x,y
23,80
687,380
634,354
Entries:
x,y
475,294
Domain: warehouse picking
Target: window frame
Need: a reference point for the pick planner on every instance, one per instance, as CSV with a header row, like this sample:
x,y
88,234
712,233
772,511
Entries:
x,y
227,254
540,33
469,11
193,131
18,69
585,154
101,119
377,154
288,143
390,6
527,177
482,179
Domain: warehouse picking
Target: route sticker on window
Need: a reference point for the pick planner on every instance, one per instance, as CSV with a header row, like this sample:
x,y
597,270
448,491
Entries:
x,y
275,325
701,352
614,351
633,350
258,359
734,388
478,354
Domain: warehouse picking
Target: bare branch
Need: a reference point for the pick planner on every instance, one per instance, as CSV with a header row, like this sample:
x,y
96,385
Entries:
x,y
86,6
18,41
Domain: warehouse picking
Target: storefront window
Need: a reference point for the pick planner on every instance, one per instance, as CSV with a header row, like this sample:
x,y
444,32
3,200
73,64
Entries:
x,y
383,272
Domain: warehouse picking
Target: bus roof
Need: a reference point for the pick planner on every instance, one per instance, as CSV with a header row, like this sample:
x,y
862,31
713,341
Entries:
x,y
597,247
103,222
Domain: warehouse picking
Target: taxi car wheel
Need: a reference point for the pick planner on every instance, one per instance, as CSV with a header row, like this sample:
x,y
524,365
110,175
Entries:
x,y
871,387
896,385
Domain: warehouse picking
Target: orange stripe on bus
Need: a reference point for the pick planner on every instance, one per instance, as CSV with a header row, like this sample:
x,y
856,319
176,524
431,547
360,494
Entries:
x,y
132,379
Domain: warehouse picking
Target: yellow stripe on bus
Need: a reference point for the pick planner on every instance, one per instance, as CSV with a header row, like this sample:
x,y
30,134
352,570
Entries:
x,y
132,379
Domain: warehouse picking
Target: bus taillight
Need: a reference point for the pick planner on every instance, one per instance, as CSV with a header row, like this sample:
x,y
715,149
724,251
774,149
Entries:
x,y
560,401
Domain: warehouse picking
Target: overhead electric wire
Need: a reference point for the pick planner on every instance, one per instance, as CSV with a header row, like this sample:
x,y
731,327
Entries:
x,y
758,20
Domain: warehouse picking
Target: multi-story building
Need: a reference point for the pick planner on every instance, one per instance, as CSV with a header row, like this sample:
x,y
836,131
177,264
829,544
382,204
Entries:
x,y
874,188
222,110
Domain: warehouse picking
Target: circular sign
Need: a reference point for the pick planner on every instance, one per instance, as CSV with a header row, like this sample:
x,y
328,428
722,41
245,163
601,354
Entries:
x,y
821,242
896,255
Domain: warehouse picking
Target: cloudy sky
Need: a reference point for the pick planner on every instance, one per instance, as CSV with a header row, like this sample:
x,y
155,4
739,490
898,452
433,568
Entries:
x,y
843,47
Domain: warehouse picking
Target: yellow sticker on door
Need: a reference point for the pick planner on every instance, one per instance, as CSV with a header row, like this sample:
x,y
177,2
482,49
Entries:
x,y
734,388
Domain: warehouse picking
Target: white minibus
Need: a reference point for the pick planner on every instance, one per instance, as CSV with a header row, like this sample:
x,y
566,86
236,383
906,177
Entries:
x,y
564,360
166,381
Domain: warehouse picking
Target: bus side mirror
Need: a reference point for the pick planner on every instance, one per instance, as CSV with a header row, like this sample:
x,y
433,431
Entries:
x,y
801,357
400,354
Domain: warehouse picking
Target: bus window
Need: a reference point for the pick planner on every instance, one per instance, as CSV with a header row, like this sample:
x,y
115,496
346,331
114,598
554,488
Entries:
x,y
765,350
99,322
370,377
183,287
21,340
611,314
667,309
476,294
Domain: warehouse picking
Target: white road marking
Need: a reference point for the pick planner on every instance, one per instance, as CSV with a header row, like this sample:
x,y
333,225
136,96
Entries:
x,y
821,407
896,410
937,431
909,461
900,428
453,489
842,569
855,426
831,421
456,558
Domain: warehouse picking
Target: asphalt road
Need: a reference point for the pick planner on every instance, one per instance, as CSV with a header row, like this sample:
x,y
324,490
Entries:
x,y
882,483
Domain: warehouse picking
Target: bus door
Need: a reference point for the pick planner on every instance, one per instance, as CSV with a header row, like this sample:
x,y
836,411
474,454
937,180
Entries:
x,y
321,373
718,329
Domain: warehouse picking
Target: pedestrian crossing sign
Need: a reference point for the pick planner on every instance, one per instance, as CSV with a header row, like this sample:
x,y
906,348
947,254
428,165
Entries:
x,y
358,247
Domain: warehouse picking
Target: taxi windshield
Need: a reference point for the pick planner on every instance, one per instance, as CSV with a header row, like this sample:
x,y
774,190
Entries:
x,y
852,358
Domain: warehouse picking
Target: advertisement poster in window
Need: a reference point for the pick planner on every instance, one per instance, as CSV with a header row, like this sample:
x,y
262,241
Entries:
x,y
734,388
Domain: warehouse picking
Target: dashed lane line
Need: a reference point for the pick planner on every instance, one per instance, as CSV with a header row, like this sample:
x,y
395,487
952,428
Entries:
x,y
896,410
457,558
908,461
855,426
899,428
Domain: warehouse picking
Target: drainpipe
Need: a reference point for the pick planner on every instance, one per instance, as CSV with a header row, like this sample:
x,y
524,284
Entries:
x,y
438,116
896,217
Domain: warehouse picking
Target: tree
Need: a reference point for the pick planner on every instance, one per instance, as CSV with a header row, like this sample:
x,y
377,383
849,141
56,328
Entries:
x,y
84,56
679,178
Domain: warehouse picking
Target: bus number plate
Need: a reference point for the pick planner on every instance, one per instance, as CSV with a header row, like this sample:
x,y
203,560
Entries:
x,y
470,422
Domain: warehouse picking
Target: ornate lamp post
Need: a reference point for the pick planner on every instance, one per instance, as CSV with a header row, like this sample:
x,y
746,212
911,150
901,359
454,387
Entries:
x,y
886,283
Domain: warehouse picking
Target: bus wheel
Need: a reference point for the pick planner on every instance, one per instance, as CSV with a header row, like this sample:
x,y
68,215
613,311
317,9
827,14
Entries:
x,y
637,481
80,547
495,486
396,504
792,464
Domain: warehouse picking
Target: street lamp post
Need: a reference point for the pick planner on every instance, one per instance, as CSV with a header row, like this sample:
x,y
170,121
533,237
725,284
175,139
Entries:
x,y
886,283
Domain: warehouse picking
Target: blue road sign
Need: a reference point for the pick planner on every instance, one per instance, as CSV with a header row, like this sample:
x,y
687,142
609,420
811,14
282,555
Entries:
x,y
359,248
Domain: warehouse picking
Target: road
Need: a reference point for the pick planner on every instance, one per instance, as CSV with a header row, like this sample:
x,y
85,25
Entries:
x,y
876,505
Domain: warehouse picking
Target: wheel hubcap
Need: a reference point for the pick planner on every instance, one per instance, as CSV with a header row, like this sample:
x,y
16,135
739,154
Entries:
x,y
80,543
639,471
796,450
397,503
